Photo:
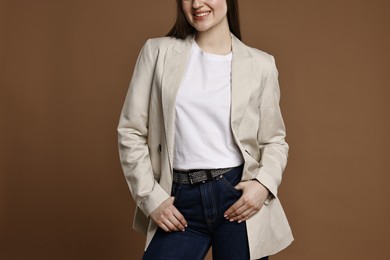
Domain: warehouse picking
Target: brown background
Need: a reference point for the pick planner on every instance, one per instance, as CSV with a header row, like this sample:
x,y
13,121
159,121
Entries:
x,y
65,69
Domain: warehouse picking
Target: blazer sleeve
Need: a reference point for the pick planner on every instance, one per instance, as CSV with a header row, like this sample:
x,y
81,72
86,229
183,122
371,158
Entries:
x,y
271,134
133,136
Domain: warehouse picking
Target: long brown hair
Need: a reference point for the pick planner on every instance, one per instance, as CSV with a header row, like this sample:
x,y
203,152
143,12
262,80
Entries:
x,y
181,29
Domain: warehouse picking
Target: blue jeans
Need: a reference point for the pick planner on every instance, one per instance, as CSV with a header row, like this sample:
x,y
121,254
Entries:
x,y
203,205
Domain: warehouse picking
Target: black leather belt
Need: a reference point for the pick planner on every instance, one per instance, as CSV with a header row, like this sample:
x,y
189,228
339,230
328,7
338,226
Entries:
x,y
196,176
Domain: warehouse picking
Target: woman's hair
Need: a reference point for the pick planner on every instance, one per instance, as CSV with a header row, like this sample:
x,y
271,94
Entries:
x,y
181,29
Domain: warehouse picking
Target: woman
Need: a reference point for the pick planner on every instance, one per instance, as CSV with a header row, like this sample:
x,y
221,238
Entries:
x,y
201,140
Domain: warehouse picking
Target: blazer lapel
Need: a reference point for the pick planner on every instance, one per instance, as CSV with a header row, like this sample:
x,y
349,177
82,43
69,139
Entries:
x,y
242,81
175,65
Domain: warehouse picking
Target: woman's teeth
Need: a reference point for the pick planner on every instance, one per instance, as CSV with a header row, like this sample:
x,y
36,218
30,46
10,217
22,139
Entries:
x,y
202,14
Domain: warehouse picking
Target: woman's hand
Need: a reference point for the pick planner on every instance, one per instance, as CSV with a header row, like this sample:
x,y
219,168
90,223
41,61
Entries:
x,y
254,194
167,217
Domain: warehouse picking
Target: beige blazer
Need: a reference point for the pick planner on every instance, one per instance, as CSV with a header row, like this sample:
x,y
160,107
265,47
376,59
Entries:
x,y
146,133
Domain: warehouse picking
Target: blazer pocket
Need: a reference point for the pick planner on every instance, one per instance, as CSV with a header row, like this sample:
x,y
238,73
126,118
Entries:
x,y
255,157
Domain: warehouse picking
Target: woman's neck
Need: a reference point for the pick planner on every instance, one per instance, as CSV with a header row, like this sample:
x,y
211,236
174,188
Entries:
x,y
216,40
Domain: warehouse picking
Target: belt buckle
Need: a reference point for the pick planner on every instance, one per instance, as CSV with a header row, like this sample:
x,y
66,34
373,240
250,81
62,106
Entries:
x,y
190,177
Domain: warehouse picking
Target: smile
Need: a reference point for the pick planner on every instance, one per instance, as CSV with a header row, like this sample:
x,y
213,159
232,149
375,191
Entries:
x,y
201,14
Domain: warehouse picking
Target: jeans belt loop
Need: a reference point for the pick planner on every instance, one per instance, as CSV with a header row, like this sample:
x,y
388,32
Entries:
x,y
208,174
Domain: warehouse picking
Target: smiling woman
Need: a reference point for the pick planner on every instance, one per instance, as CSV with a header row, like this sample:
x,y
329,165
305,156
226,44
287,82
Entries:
x,y
202,140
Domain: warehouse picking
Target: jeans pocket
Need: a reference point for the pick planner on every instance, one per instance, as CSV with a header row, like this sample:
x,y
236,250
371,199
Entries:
x,y
176,188
230,186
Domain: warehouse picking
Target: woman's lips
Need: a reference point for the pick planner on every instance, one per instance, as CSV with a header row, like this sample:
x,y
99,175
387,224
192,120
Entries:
x,y
201,15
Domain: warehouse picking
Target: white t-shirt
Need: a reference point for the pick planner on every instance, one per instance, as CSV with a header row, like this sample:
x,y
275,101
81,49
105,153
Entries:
x,y
203,137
